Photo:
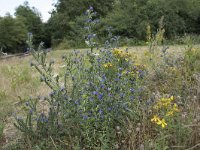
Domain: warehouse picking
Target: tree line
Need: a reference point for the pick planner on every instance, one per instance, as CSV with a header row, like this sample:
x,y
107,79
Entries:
x,y
128,18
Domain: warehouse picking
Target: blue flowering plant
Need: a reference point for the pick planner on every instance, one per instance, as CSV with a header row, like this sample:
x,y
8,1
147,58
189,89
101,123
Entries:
x,y
94,102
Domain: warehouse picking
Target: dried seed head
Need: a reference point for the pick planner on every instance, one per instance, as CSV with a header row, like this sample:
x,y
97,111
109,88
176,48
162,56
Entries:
x,y
119,132
142,147
137,129
129,131
117,146
118,128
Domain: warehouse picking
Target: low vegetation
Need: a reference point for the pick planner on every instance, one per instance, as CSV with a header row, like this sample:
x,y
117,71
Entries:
x,y
107,97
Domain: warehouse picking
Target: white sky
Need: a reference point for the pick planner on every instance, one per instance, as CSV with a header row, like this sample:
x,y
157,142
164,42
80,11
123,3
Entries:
x,y
44,6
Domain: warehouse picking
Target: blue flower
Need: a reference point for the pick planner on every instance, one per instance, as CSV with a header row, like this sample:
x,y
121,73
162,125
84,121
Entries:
x,y
132,90
120,69
100,111
122,95
102,86
91,99
95,92
100,96
90,36
85,117
88,20
109,108
91,8
111,95
117,79
98,59
119,74
77,102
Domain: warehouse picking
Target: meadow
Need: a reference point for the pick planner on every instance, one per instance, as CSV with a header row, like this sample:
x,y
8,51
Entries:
x,y
19,82
105,97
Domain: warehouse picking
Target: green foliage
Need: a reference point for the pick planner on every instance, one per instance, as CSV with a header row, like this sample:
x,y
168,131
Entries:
x,y
128,18
67,21
192,61
2,95
12,34
1,129
32,19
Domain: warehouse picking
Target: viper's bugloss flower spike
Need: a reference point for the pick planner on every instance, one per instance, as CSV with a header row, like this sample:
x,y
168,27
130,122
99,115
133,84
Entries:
x,y
91,8
95,91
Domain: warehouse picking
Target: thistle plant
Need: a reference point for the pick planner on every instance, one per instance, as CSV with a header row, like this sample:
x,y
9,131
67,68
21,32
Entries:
x,y
92,103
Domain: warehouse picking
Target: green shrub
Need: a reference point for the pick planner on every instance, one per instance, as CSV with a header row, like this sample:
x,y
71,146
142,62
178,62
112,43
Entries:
x,y
92,104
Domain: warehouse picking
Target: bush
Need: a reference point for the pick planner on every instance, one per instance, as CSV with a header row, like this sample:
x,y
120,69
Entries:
x,y
92,104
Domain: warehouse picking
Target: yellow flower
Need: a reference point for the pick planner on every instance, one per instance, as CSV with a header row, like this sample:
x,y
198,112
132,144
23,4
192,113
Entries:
x,y
117,52
107,65
172,98
175,108
170,113
162,123
155,119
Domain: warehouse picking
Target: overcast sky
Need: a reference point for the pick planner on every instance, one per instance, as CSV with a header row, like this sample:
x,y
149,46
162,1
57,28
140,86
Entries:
x,y
44,6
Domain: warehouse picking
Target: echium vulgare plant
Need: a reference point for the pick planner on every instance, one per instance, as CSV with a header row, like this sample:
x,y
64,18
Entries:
x,y
93,103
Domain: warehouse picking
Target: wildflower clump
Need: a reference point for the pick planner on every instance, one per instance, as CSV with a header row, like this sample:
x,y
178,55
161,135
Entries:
x,y
165,108
90,99
120,54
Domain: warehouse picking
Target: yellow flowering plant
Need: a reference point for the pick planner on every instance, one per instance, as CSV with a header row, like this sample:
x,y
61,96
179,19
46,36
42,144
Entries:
x,y
165,109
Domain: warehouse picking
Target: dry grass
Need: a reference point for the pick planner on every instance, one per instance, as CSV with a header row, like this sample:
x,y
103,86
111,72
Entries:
x,y
19,81
11,69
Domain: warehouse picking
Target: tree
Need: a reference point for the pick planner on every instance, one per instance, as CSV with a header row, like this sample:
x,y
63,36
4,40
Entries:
x,y
32,19
65,22
13,34
130,17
